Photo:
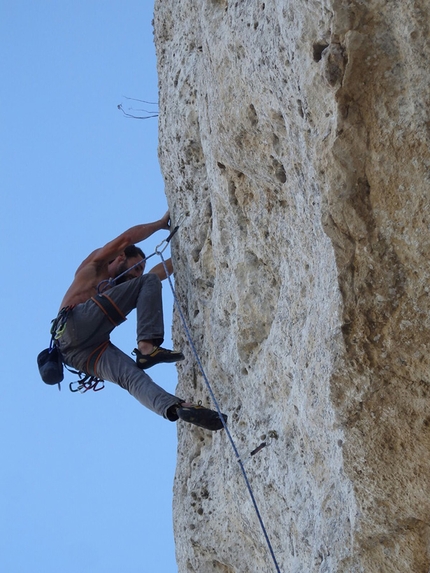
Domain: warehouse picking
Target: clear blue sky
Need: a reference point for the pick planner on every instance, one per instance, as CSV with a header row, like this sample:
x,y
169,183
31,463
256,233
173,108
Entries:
x,y
85,480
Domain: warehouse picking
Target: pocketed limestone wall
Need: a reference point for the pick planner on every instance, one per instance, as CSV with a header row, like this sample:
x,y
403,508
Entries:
x,y
294,137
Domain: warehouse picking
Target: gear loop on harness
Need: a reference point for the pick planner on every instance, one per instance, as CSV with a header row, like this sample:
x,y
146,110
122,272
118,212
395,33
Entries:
x,y
58,324
87,383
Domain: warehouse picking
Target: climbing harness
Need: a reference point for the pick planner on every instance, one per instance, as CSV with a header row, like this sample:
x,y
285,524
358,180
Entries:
x,y
205,378
109,308
88,379
50,361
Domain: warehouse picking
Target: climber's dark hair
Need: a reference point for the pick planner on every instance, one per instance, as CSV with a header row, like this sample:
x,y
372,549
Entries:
x,y
133,251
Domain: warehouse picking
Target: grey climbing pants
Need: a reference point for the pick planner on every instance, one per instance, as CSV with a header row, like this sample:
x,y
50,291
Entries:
x,y
88,328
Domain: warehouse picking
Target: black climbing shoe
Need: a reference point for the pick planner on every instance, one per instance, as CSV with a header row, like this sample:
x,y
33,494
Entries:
x,y
200,416
157,356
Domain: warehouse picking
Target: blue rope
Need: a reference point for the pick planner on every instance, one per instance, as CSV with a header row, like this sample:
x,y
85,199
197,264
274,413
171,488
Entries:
x,y
108,283
248,485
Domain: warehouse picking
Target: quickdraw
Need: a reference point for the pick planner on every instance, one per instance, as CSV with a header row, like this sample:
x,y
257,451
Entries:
x,y
87,383
108,283
268,439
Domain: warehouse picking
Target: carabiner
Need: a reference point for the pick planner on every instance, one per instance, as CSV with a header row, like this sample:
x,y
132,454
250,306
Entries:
x,y
95,384
77,389
157,248
170,237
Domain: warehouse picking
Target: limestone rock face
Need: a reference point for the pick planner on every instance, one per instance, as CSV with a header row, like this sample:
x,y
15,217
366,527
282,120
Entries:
x,y
294,136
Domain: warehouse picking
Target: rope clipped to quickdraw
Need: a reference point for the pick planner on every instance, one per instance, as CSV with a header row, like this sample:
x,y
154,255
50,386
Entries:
x,y
205,378
110,282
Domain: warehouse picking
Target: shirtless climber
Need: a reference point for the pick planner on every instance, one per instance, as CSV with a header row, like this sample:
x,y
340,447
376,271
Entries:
x,y
96,303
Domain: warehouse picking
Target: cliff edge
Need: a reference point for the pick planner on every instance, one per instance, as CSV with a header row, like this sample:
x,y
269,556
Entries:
x,y
295,137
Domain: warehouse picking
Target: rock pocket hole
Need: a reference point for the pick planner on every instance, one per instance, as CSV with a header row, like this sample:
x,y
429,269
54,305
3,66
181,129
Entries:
x,y
252,115
280,173
318,49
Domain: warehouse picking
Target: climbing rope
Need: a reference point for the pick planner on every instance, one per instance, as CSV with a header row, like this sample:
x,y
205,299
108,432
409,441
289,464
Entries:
x,y
205,378
110,282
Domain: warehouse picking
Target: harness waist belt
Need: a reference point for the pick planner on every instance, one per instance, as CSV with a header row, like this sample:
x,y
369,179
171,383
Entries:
x,y
111,310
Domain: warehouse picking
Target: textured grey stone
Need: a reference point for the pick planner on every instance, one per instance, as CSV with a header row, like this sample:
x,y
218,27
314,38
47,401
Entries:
x,y
295,137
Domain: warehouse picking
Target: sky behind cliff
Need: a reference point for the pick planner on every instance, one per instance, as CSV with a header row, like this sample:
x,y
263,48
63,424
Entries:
x,y
86,480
